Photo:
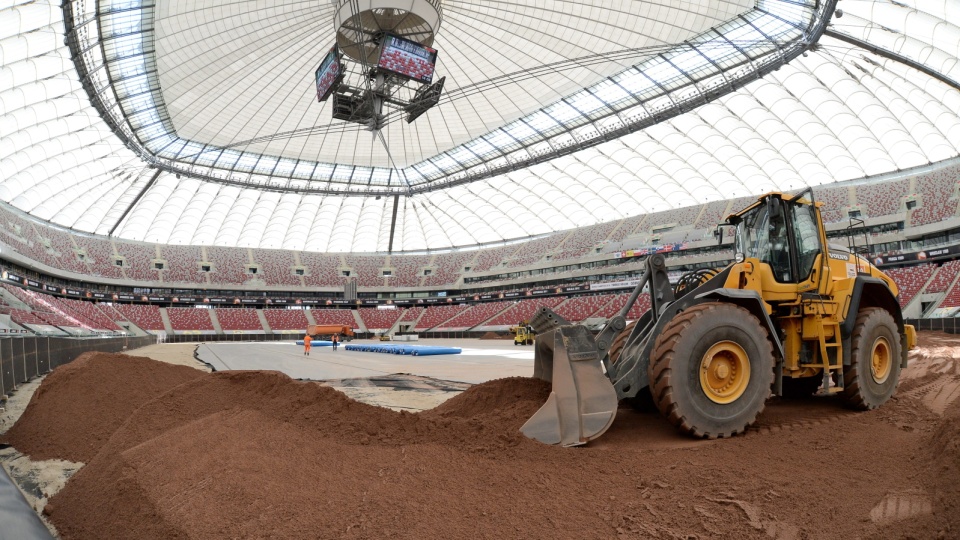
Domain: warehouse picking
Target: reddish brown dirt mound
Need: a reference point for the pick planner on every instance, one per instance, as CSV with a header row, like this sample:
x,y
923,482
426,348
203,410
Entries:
x,y
255,454
79,405
494,335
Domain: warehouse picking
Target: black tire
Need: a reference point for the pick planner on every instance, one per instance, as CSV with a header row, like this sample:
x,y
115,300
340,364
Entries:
x,y
515,343
618,342
863,387
675,363
801,388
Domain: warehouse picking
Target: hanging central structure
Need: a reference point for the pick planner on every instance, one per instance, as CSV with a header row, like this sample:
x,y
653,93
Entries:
x,y
382,59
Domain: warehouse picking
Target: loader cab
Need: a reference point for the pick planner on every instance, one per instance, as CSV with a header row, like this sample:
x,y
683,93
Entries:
x,y
785,233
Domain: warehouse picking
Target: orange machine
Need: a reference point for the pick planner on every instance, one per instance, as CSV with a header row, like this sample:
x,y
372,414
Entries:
x,y
326,330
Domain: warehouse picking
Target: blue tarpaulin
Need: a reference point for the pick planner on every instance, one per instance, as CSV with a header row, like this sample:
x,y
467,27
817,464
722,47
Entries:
x,y
392,348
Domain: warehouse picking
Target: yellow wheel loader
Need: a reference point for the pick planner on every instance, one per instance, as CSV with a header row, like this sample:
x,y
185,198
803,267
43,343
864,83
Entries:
x,y
791,316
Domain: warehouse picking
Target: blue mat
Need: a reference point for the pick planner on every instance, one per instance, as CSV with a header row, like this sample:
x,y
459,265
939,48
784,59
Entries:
x,y
413,350
317,343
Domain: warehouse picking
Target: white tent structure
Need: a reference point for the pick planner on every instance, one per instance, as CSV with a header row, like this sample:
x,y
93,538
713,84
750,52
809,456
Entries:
x,y
195,121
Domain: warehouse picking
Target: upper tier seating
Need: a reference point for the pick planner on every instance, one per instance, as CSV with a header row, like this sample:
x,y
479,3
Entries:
x,y
585,239
323,270
492,257
435,315
882,199
713,213
334,316
100,256
286,319
238,319
522,311
139,259
407,270
909,280
835,199
535,250
626,227
448,268
379,319
147,317
679,216
229,265
183,264
366,269
937,193
276,267
190,318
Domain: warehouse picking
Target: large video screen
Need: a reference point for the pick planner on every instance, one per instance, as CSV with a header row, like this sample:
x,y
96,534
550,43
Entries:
x,y
329,74
407,58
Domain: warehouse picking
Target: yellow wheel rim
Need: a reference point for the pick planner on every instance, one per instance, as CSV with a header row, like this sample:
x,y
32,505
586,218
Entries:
x,y
724,372
880,361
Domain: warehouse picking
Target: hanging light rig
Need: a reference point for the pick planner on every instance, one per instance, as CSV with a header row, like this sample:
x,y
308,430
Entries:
x,y
382,59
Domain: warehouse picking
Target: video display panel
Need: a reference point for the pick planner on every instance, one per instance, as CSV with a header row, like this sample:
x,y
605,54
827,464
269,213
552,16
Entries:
x,y
328,74
407,58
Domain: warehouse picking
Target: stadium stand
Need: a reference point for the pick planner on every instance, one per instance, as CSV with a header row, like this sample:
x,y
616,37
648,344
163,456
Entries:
x,y
882,199
323,270
147,317
100,256
535,250
910,280
581,241
835,199
229,265
379,319
62,243
616,304
475,315
411,314
582,307
85,312
190,319
183,264
492,257
626,227
238,319
334,316
448,268
139,259
952,299
286,319
522,311
436,315
407,270
937,194
944,277
679,216
276,266
367,269
712,214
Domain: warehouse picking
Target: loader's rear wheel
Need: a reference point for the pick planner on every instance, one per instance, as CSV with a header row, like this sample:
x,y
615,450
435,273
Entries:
x,y
874,370
711,369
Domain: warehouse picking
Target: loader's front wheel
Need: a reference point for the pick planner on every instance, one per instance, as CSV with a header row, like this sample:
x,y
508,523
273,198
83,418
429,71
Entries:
x,y
874,369
711,369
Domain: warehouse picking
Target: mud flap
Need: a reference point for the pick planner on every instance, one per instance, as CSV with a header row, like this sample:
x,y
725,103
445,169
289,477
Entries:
x,y
583,402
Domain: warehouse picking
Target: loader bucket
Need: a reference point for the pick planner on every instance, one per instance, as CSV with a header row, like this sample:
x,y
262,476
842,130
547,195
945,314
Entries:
x,y
583,402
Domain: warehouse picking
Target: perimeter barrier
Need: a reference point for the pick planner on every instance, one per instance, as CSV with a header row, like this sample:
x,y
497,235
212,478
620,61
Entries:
x,y
24,358
950,325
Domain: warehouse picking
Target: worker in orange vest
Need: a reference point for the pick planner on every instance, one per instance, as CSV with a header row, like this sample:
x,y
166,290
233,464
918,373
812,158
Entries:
x,y
306,345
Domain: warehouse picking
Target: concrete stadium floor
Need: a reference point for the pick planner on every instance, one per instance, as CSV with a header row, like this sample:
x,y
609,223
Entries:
x,y
398,382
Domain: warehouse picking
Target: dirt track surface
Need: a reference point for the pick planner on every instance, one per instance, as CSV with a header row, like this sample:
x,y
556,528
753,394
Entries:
x,y
256,454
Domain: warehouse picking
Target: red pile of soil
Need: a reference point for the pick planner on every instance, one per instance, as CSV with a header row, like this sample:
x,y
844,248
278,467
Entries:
x,y
79,405
494,335
255,454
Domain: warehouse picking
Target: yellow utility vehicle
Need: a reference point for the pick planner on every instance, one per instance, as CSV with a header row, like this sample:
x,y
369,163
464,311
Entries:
x,y
791,316
522,334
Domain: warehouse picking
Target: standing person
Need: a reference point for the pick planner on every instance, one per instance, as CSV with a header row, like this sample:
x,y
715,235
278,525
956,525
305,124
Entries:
x,y
336,341
306,345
